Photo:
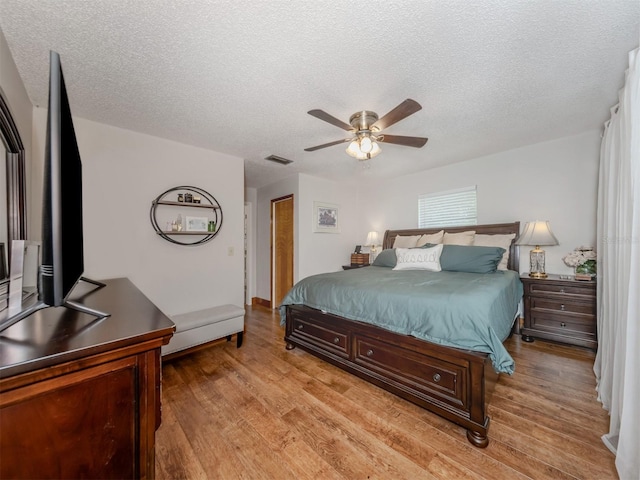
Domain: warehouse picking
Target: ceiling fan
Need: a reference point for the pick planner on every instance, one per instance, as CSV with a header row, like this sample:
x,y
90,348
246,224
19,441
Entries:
x,y
365,128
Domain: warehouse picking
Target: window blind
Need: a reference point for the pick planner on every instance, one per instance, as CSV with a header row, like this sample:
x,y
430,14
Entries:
x,y
448,209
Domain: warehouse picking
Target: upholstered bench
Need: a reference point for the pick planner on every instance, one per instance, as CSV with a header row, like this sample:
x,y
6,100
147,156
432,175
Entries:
x,y
203,326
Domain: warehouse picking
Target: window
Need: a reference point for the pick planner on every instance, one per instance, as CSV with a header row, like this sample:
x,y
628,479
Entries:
x,y
448,209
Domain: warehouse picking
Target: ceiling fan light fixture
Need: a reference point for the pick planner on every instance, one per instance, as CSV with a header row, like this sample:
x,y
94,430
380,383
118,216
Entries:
x,y
364,147
366,130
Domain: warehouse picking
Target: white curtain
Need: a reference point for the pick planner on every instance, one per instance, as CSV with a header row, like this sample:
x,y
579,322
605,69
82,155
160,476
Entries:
x,y
617,365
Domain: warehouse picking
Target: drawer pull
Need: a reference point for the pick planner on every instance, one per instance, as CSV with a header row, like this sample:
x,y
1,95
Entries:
x,y
562,306
562,324
369,353
436,377
562,290
336,340
300,326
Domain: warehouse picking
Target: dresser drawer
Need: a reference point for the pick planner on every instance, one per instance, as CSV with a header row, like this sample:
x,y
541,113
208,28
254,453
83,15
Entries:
x,y
575,290
422,374
559,305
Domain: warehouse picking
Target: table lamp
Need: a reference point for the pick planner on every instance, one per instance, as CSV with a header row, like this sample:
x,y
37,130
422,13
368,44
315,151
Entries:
x,y
537,233
372,240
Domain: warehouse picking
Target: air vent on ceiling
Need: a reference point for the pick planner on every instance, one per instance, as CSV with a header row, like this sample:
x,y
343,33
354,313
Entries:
x,y
280,160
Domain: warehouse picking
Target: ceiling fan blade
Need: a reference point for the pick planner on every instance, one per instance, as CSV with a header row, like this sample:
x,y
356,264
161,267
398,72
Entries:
x,y
406,141
325,145
402,111
322,115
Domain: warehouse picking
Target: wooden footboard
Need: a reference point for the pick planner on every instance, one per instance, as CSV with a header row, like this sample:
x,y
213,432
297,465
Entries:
x,y
447,381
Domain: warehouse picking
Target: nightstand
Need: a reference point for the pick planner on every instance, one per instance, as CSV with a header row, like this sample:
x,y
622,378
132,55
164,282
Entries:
x,y
560,309
354,265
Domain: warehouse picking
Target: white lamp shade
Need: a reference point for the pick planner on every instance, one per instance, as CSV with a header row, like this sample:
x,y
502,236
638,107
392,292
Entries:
x,y
366,145
363,148
372,238
375,150
537,233
353,149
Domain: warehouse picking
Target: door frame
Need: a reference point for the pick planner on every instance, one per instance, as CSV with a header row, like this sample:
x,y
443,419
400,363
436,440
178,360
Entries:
x,y
272,250
249,263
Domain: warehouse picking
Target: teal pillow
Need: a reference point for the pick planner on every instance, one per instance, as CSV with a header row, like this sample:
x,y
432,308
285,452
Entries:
x,y
386,258
470,258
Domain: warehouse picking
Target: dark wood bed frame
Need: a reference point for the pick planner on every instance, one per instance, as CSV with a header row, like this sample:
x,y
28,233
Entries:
x,y
453,383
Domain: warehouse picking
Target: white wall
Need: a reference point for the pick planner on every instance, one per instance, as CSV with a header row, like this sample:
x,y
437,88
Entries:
x,y
326,252
555,181
123,171
286,186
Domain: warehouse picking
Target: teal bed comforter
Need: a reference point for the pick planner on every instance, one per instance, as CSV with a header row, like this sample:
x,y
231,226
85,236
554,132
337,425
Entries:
x,y
471,311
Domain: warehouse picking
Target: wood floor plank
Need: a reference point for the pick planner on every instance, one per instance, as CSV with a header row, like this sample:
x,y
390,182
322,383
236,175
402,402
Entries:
x,y
558,408
352,426
401,441
581,432
582,443
262,411
498,461
284,442
349,452
204,430
563,389
175,457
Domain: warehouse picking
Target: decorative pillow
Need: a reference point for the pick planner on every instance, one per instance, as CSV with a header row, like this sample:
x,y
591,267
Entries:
x,y
470,258
386,258
408,241
419,258
434,238
503,241
462,238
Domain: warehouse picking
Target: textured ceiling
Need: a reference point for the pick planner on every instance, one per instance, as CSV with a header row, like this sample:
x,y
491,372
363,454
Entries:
x,y
238,77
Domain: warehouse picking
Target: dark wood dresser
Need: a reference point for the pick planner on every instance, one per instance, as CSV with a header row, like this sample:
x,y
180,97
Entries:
x,y
560,309
79,397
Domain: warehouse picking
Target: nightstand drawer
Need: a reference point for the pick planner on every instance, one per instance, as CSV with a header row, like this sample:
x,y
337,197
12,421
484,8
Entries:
x,y
586,291
564,324
559,305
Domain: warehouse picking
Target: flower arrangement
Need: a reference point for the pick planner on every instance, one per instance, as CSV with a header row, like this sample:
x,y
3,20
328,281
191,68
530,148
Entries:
x,y
583,259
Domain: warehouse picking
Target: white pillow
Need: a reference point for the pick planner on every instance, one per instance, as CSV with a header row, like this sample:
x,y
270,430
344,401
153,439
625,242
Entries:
x,y
408,241
430,238
503,241
419,258
462,238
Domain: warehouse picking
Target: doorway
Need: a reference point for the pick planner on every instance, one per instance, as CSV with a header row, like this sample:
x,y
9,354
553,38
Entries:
x,y
281,248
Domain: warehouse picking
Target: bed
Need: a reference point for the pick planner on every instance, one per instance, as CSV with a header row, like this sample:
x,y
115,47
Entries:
x,y
432,366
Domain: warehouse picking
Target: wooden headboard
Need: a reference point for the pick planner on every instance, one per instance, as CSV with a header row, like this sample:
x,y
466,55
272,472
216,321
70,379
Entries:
x,y
493,229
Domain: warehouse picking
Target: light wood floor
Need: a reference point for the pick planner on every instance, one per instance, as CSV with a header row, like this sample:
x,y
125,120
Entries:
x,y
264,412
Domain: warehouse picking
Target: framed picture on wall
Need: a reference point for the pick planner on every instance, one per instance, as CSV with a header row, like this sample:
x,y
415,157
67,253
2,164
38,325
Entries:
x,y
326,218
197,224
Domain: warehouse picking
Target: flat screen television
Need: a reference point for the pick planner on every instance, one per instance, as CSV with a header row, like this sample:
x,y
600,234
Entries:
x,y
62,263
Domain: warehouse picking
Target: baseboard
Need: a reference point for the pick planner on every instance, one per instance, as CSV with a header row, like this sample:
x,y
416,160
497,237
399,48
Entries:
x,y
261,301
